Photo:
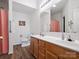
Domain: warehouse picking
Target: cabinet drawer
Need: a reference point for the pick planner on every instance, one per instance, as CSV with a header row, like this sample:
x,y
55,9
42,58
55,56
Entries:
x,y
42,50
70,54
36,52
41,55
55,49
50,55
41,44
31,46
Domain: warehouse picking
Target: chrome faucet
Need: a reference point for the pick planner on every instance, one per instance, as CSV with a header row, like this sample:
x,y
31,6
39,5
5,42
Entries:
x,y
69,38
63,36
41,34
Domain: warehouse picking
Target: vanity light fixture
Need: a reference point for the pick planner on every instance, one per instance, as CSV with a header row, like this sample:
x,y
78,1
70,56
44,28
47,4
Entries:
x,y
54,5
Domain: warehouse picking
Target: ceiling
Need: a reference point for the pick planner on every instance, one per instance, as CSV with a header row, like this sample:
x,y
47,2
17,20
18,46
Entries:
x,y
25,9
22,8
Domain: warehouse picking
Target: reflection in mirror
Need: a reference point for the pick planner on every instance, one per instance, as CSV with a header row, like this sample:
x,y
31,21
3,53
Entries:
x,y
53,18
57,23
60,16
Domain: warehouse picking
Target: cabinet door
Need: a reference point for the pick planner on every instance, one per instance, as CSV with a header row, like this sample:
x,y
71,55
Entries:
x,y
55,49
36,48
41,55
50,55
42,47
32,46
68,58
69,55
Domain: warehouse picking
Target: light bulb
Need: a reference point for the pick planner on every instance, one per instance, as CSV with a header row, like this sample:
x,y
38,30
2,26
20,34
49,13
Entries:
x,y
54,5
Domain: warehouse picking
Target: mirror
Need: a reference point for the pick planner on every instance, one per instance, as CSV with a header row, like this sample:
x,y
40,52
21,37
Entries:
x,y
60,16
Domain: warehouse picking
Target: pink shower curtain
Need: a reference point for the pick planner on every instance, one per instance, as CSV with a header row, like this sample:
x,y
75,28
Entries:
x,y
55,26
4,27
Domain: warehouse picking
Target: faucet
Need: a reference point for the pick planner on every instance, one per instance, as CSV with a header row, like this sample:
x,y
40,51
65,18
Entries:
x,y
41,34
69,38
63,36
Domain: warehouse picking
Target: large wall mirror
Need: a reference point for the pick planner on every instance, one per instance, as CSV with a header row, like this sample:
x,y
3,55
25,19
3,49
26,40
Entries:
x,y
61,16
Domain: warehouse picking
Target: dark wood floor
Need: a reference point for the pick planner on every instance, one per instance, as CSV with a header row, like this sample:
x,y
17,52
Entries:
x,y
19,53
5,56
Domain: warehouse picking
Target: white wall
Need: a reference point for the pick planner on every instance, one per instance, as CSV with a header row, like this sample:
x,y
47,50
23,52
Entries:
x,y
76,20
20,30
68,11
10,34
75,14
45,21
14,17
30,3
35,22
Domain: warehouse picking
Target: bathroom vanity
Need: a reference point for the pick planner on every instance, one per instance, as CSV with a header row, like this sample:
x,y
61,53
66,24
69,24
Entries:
x,y
50,48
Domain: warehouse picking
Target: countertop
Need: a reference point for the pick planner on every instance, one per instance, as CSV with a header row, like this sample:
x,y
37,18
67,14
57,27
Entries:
x,y
58,41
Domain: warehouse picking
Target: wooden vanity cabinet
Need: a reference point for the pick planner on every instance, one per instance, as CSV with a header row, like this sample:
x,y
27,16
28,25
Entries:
x,y
45,50
68,58
34,47
50,55
52,51
42,48
60,52
69,54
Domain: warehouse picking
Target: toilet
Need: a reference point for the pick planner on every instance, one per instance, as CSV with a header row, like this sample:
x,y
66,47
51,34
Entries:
x,y
25,43
25,40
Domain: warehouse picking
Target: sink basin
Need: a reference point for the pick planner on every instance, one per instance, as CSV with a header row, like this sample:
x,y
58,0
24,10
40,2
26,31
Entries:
x,y
73,41
68,40
51,37
76,41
